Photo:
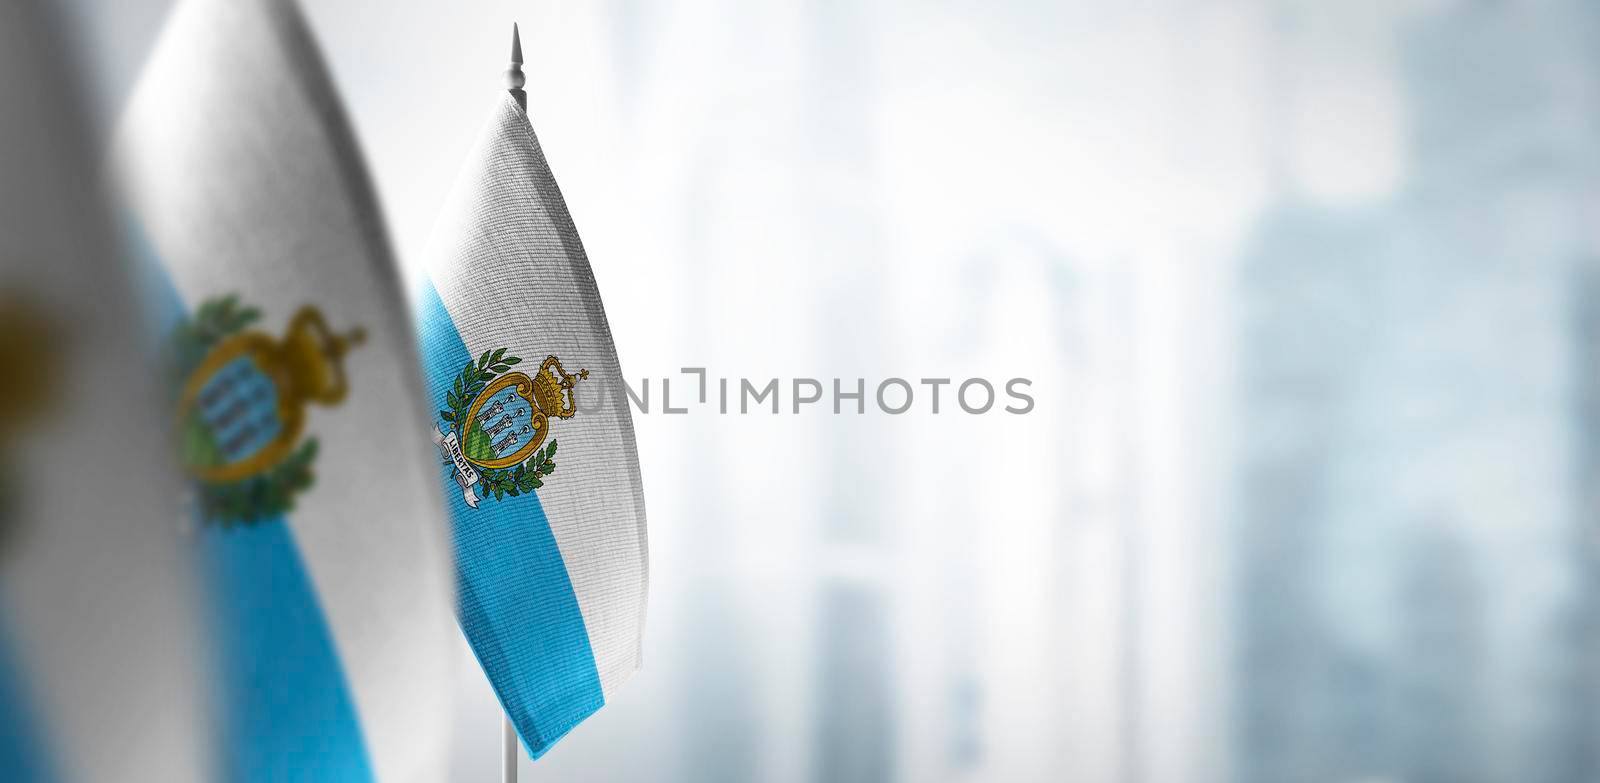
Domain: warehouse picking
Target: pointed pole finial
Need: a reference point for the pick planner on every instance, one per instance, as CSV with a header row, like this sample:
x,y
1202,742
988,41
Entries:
x,y
514,77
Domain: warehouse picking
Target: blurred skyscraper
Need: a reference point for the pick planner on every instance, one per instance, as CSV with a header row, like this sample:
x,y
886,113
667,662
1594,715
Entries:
x,y
854,716
1415,576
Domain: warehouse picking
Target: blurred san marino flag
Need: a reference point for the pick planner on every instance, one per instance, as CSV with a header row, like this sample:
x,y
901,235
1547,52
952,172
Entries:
x,y
533,430
98,653
292,375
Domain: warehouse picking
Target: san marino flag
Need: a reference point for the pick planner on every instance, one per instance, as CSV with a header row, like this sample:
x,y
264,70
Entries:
x,y
98,650
535,444
293,375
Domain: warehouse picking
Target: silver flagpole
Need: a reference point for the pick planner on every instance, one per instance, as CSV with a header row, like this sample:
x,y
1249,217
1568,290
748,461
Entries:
x,y
508,732
514,77
508,751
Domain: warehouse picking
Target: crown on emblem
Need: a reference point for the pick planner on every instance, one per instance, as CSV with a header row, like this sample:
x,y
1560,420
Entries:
x,y
553,388
314,355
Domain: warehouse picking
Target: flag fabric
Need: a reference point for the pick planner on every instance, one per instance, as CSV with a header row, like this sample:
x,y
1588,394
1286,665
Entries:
x,y
531,419
294,397
98,650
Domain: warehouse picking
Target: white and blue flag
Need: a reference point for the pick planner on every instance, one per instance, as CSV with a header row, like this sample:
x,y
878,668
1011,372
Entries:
x,y
98,651
536,442
293,375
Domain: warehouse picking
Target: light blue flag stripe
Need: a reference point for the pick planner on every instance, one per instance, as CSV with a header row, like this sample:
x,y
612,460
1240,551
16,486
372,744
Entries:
x,y
23,753
289,714
515,601
286,707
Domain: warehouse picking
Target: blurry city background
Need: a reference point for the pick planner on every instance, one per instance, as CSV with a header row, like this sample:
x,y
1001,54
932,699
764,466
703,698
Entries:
x,y
1309,293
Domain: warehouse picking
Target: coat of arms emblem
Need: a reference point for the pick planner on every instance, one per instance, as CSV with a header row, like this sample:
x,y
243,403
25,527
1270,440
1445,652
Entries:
x,y
241,406
496,421
31,347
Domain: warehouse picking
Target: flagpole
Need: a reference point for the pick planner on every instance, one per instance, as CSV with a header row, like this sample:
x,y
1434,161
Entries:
x,y
514,77
508,732
508,751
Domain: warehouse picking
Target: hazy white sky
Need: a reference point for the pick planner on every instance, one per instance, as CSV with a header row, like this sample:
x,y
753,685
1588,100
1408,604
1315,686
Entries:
x,y
1157,112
